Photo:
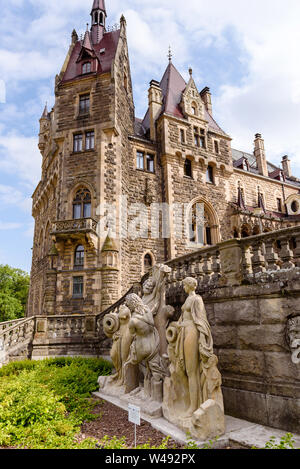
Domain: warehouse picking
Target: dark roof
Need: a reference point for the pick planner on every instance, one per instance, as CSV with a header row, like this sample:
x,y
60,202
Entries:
x,y
173,85
109,42
273,170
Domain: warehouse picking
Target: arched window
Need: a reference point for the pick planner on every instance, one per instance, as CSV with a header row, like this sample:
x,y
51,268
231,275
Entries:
x,y
82,204
96,17
188,168
202,230
148,263
79,257
86,68
101,22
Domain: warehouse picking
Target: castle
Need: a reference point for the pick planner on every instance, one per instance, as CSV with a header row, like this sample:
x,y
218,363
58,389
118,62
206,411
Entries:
x,y
96,152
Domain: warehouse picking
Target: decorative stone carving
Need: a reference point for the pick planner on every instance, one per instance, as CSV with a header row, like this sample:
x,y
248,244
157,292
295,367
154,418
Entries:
x,y
293,338
192,395
154,296
184,383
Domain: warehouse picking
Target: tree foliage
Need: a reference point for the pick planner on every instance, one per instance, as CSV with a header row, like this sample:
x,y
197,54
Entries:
x,y
14,288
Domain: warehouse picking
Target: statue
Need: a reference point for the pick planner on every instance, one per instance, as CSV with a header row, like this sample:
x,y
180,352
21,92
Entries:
x,y
154,297
116,327
145,347
192,395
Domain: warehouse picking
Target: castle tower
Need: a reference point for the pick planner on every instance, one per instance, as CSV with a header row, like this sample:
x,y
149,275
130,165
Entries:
x,y
98,15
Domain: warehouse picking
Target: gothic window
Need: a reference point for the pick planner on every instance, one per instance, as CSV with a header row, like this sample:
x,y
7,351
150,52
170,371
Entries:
x,y
77,146
96,16
77,287
90,140
101,21
86,68
82,204
79,257
210,175
84,104
194,109
200,226
148,263
188,168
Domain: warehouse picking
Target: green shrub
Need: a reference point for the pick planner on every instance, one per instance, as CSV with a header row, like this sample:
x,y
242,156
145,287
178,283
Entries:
x,y
43,404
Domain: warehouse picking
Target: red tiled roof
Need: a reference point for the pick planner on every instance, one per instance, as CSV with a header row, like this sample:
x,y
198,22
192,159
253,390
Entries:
x,y
173,86
99,4
109,42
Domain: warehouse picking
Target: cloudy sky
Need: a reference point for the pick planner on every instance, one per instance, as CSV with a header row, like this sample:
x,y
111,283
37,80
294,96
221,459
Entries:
x,y
248,53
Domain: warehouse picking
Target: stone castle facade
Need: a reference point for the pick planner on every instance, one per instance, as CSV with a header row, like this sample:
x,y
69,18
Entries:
x,y
95,151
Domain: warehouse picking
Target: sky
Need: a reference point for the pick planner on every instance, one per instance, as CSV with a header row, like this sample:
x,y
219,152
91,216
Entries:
x,y
248,53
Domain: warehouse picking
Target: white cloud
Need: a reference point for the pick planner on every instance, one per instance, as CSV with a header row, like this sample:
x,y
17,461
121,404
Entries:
x,y
5,226
11,196
20,155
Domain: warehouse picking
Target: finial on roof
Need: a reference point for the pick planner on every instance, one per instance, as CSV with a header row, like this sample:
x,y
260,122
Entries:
x,y
87,26
45,113
170,55
191,71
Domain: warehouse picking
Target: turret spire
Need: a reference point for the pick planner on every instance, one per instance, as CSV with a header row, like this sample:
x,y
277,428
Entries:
x,y
98,15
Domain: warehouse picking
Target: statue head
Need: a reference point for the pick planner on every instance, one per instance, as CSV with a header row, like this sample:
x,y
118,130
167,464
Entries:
x,y
124,314
190,284
135,303
148,286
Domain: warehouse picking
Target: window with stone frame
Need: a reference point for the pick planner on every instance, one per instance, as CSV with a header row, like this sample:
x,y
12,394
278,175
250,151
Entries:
x,y
77,143
140,163
279,204
79,257
84,104
86,68
78,285
150,163
82,204
148,263
90,140
210,175
145,161
188,170
216,147
200,226
199,138
182,136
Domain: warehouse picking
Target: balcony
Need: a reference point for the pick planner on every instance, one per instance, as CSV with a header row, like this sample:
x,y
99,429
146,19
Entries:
x,y
81,229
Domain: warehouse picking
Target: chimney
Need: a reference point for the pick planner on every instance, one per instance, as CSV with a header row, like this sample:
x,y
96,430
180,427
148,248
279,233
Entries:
x,y
260,155
286,165
206,97
155,106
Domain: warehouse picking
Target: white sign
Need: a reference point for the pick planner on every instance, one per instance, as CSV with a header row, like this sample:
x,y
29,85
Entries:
x,y
134,414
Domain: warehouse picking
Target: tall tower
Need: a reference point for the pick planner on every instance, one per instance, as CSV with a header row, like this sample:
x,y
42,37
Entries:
x,y
82,142
98,15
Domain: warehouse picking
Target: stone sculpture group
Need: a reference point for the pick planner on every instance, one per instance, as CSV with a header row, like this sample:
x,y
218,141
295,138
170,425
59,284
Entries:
x,y
166,367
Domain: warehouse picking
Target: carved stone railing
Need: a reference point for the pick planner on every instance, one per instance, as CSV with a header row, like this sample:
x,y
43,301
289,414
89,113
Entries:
x,y
259,258
8,324
16,337
74,226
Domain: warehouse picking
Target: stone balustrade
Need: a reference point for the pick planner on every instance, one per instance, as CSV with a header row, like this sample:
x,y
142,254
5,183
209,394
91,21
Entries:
x,y
8,324
74,226
234,262
16,337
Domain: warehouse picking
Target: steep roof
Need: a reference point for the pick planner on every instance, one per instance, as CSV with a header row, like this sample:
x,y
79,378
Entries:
x,y
173,86
108,47
273,170
99,4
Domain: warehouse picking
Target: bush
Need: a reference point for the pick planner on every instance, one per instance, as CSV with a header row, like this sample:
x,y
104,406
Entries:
x,y
43,404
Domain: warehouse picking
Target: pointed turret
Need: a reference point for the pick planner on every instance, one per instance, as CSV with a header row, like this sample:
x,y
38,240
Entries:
x,y
87,41
45,112
98,15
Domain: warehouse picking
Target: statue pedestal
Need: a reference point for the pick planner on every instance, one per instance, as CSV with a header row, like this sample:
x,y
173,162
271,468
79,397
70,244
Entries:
x,y
208,422
137,397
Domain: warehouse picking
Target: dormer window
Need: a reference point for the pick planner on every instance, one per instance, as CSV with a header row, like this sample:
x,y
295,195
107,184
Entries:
x,y
86,68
